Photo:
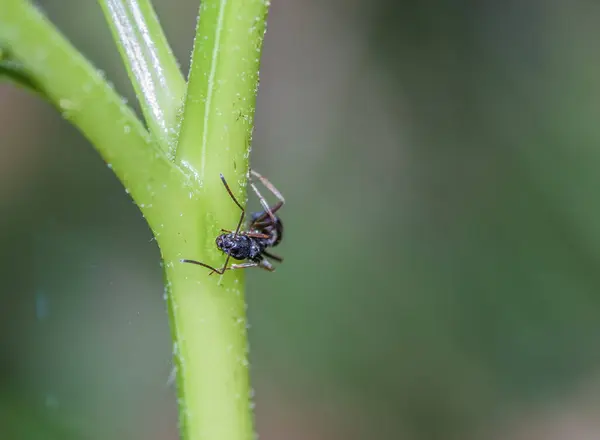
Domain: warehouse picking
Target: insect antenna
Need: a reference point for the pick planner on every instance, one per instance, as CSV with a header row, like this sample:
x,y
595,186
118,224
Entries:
x,y
237,229
230,192
200,264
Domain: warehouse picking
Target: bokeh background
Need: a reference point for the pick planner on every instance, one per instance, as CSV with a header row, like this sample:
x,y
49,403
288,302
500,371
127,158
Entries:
x,y
441,162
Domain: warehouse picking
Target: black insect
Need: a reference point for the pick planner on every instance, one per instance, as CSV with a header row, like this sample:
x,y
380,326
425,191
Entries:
x,y
264,231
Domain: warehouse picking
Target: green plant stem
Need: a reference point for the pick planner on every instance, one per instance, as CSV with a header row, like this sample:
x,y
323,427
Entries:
x,y
152,67
83,96
221,94
185,205
215,138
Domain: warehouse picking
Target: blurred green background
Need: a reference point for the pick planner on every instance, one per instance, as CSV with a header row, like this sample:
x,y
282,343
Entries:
x,y
441,163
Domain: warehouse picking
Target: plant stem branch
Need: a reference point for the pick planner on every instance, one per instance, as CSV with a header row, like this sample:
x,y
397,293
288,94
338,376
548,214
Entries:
x,y
151,65
84,98
185,205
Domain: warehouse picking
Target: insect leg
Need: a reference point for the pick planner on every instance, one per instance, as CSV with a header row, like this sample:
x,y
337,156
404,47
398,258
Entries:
x,y
259,221
268,210
266,265
249,234
263,264
273,256
243,265
269,186
264,203
256,235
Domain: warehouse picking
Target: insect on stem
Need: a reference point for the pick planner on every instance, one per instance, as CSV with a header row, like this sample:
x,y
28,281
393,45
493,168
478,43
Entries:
x,y
264,231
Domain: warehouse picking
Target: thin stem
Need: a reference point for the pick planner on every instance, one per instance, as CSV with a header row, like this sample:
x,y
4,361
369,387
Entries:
x,y
151,65
82,95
